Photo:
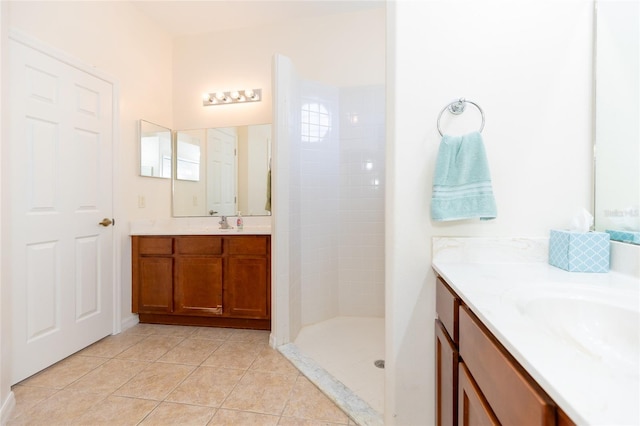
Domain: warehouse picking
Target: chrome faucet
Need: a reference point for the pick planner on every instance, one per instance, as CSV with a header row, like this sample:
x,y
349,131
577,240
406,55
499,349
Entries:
x,y
223,223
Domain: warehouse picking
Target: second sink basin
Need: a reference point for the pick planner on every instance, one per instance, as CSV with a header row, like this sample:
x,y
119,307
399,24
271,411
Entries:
x,y
603,323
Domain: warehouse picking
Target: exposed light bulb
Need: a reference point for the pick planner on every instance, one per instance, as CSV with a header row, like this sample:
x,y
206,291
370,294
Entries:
x,y
249,93
221,96
206,97
235,95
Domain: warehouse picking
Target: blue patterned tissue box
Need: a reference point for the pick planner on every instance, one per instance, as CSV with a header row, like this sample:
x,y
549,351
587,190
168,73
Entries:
x,y
579,251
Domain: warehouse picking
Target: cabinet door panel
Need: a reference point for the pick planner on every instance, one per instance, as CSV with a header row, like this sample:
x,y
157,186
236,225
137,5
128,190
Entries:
x,y
473,409
155,284
563,419
198,287
446,378
247,290
515,398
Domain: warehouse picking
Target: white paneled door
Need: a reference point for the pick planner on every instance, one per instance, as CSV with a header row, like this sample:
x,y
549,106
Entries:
x,y
59,194
222,175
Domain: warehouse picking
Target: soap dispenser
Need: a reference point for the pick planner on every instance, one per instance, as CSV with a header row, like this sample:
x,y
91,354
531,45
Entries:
x,y
239,222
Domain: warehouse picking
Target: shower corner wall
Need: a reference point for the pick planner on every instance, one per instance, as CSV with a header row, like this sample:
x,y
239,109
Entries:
x,y
362,191
331,152
329,210
341,199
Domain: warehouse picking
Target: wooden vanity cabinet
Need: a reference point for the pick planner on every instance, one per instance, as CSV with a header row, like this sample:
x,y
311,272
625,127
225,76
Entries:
x,y
203,280
514,397
490,387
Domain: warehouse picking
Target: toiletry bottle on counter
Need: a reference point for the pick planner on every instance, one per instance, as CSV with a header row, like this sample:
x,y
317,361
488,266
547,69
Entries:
x,y
239,222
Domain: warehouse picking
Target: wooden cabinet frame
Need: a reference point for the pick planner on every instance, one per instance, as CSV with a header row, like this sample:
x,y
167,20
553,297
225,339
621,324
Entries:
x,y
478,382
213,280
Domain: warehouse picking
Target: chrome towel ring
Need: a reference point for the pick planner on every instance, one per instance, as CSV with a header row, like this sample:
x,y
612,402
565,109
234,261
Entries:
x,y
456,108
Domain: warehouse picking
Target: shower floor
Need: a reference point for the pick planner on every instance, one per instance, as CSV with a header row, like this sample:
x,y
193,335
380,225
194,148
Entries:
x,y
347,347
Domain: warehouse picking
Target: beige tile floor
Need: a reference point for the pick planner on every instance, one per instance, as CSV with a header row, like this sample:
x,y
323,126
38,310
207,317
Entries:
x,y
174,375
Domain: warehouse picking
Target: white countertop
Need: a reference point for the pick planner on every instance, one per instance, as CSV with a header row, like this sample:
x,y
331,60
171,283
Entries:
x,y
591,388
260,225
253,230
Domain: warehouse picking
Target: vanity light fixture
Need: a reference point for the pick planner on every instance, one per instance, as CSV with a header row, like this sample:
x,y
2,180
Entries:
x,y
232,97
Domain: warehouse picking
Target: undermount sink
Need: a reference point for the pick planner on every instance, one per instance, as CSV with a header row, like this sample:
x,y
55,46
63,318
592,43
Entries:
x,y
601,322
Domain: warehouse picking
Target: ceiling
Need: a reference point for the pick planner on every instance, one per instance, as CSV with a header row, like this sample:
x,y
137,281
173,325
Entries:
x,y
186,17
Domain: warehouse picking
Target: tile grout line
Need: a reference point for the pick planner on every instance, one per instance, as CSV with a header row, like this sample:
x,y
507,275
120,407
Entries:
x,y
177,385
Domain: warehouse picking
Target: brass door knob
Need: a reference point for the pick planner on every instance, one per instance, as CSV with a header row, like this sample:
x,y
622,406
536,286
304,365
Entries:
x,y
105,222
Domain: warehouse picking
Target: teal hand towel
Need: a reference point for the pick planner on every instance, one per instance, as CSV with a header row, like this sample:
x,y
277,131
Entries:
x,y
462,182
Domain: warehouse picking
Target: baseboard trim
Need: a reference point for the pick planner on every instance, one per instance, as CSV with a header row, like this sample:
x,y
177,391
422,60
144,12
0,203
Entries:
x,y
7,408
129,322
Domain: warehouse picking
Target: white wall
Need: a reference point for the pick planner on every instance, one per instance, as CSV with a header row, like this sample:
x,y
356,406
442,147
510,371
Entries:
x,y
323,49
528,65
285,257
7,400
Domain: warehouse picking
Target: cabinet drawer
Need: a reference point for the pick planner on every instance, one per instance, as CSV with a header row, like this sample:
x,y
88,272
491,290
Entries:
x,y
202,245
253,245
155,245
514,397
447,307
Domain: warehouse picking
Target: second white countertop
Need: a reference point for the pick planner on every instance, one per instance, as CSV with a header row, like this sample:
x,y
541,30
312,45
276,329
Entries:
x,y
591,388
544,316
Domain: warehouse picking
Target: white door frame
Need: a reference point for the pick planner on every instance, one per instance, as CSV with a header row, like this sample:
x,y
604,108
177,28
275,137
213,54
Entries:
x,y
74,62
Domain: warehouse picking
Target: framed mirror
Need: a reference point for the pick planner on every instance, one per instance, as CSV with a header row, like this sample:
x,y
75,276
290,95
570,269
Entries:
x,y
155,150
233,166
617,129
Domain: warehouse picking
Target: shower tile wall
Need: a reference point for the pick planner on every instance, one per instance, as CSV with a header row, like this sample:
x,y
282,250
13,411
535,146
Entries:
x,y
319,207
362,183
341,199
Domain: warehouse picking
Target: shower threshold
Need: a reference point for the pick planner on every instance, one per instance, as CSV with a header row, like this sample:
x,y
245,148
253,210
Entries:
x,y
355,407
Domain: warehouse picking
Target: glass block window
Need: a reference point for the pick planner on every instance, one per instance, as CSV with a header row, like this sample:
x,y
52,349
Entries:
x,y
315,123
